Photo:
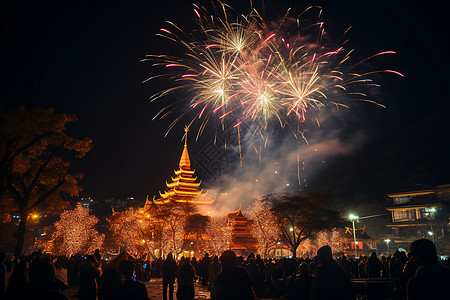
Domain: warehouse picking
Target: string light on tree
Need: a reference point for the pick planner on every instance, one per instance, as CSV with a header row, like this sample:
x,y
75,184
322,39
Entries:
x,y
75,233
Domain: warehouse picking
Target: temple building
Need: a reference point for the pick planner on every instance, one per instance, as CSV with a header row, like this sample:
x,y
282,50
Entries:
x,y
365,244
183,188
243,243
420,213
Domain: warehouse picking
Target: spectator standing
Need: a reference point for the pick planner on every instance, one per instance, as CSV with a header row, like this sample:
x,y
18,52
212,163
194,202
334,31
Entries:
x,y
169,273
233,281
373,266
2,274
186,276
345,264
300,286
431,280
89,276
330,280
109,284
260,263
42,284
130,289
213,270
203,269
18,279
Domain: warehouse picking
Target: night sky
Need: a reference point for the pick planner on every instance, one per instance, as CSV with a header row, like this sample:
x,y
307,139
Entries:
x,y
82,57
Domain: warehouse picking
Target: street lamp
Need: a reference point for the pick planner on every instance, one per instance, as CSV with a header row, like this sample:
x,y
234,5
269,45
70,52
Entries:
x,y
430,212
387,242
353,218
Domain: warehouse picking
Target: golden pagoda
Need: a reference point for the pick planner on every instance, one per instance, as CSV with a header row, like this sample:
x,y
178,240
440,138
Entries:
x,y
183,189
243,243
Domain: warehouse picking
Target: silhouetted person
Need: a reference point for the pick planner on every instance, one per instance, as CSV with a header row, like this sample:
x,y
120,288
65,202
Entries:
x,y
432,280
42,285
330,280
373,266
408,272
233,281
130,289
109,285
300,286
18,279
2,274
89,276
186,276
169,273
213,271
203,269
260,263
346,265
97,255
252,271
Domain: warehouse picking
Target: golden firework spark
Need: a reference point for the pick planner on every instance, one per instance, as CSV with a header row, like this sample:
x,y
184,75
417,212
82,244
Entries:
x,y
246,69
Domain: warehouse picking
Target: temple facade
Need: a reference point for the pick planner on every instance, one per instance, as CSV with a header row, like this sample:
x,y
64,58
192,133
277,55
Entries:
x,y
183,187
420,213
243,243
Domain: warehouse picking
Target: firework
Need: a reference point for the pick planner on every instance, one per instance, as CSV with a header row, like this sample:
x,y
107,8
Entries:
x,y
246,69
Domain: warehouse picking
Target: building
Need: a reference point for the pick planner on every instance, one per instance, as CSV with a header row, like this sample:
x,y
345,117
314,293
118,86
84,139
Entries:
x,y
365,244
420,213
243,243
184,188
120,204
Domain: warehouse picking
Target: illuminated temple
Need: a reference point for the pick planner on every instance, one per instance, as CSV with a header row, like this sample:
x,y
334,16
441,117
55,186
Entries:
x,y
243,243
183,188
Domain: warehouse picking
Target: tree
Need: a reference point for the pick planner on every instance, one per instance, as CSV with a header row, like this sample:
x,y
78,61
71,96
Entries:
x,y
333,238
195,229
167,224
173,232
264,226
75,233
219,231
127,230
32,169
298,217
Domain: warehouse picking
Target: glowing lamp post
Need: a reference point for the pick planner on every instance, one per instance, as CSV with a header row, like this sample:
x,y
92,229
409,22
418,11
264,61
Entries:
x,y
431,234
430,212
354,218
387,242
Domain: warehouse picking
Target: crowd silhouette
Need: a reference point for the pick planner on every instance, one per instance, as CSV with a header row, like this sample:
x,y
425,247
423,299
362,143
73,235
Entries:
x,y
417,275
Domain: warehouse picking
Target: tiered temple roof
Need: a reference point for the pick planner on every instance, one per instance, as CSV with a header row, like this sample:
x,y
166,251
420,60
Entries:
x,y
243,242
183,188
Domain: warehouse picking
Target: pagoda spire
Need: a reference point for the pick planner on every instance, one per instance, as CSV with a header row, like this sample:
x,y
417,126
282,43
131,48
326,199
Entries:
x,y
184,188
185,162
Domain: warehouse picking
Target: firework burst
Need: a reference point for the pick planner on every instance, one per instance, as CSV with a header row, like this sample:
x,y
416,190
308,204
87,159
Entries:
x,y
245,69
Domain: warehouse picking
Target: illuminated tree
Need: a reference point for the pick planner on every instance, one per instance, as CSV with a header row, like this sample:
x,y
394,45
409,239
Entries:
x,y
264,226
306,249
219,235
334,238
32,168
75,233
128,230
195,230
173,231
298,217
